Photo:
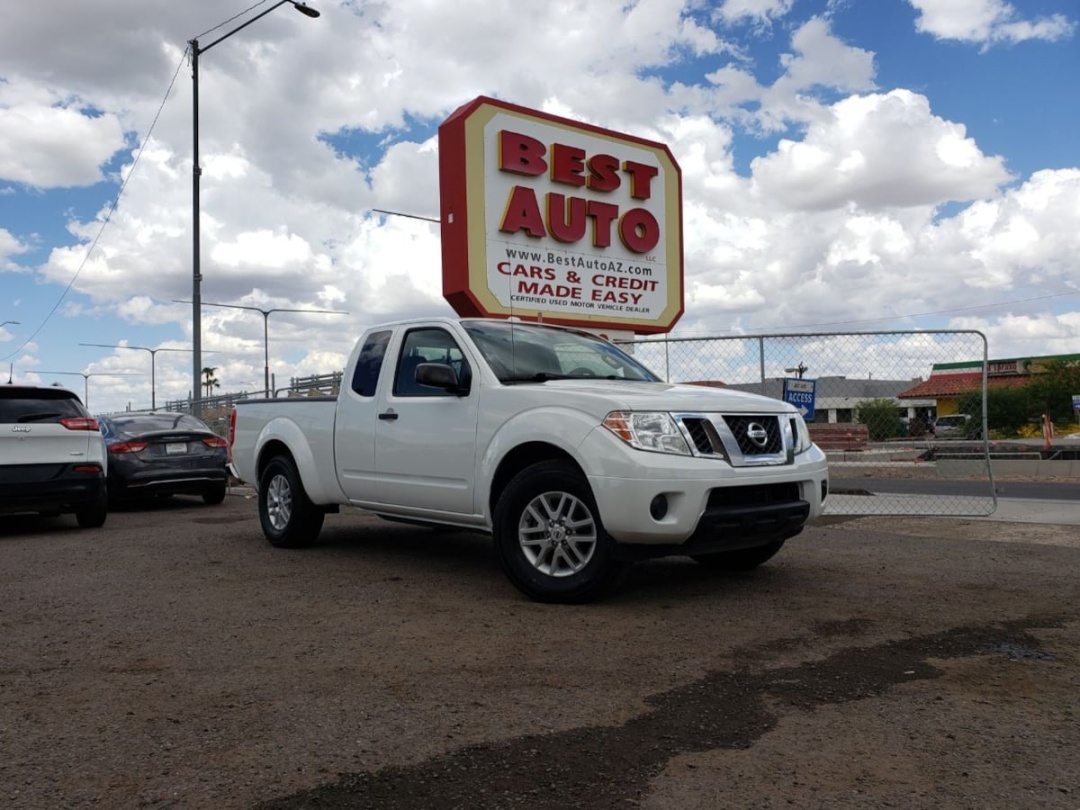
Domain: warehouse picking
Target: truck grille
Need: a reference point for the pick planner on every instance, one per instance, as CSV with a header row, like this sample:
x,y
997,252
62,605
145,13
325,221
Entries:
x,y
703,435
756,435
741,439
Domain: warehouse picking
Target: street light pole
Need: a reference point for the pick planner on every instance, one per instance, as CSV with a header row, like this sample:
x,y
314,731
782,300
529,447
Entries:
x,y
266,328
5,323
196,172
153,358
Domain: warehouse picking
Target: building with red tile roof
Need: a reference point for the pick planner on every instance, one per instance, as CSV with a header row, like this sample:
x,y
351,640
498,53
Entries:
x,y
950,381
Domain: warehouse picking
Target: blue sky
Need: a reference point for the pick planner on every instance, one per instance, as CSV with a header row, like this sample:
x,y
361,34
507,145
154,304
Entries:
x,y
844,162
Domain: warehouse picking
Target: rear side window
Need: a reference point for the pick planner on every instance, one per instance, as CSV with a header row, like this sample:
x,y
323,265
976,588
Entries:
x,y
369,363
42,405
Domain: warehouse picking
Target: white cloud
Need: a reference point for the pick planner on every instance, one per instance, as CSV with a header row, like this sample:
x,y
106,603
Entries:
x,y
821,59
49,147
9,246
878,151
986,22
842,222
759,11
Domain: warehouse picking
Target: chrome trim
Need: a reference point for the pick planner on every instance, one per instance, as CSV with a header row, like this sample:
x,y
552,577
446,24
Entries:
x,y
729,451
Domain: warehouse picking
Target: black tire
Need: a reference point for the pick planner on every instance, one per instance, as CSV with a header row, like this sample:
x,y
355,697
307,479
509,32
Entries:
x,y
92,516
544,558
743,559
214,495
288,518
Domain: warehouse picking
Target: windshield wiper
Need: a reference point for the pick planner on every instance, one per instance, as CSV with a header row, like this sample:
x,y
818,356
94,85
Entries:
x,y
543,376
540,376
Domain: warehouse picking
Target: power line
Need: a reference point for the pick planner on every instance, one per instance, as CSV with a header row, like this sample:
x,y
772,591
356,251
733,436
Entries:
x,y
108,217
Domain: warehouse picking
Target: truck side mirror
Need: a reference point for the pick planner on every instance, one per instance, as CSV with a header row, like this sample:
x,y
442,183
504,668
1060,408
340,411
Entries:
x,y
439,375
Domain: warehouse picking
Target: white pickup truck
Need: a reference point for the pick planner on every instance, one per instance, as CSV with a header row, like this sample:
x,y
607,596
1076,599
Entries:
x,y
571,454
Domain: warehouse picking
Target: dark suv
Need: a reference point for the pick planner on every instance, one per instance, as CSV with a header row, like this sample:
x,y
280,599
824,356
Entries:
x,y
52,455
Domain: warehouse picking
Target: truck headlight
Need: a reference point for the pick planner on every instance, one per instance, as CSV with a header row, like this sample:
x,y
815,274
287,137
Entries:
x,y
647,430
800,433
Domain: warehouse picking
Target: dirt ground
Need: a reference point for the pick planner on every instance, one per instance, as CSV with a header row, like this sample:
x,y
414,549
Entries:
x,y
174,659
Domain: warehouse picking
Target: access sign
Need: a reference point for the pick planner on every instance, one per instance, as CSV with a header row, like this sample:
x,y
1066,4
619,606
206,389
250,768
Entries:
x,y
800,393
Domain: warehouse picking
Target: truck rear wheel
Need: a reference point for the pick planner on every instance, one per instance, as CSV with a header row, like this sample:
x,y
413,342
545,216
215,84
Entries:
x,y
289,519
549,537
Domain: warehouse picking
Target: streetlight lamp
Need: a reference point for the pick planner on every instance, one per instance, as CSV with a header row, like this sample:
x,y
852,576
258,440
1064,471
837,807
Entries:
x,y
153,358
5,323
196,172
266,328
86,375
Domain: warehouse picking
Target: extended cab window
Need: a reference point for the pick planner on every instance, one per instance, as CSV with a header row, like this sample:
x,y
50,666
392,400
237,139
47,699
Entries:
x,y
368,364
430,345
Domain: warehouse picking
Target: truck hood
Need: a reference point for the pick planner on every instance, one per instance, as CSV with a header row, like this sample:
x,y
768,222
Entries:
x,y
616,395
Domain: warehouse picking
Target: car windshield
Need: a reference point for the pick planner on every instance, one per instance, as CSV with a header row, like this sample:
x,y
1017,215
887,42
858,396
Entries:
x,y
529,353
136,424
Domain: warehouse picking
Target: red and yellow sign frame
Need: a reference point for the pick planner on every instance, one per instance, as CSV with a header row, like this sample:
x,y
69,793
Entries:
x,y
548,218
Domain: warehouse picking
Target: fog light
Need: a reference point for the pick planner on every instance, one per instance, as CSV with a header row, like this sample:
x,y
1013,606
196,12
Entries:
x,y
658,508
824,490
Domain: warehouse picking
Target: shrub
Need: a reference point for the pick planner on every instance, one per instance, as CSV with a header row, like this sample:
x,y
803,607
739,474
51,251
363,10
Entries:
x,y
881,417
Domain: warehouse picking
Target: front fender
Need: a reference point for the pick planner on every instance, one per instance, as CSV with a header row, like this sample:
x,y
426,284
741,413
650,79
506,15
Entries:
x,y
313,455
562,428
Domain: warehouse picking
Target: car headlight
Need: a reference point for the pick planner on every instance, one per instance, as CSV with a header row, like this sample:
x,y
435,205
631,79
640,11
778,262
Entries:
x,y
800,434
647,430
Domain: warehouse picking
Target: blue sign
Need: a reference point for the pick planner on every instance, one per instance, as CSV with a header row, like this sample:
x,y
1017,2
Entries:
x,y
800,393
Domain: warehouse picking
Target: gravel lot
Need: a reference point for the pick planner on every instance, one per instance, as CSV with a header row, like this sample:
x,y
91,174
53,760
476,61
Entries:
x,y
174,659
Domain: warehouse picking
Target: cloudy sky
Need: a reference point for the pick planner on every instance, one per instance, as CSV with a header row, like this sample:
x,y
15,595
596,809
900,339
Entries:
x,y
847,165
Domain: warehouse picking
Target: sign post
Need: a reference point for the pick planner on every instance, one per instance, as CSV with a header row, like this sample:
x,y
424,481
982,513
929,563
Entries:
x,y
801,394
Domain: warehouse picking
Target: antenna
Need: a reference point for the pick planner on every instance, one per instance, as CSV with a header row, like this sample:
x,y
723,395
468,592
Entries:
x,y
799,369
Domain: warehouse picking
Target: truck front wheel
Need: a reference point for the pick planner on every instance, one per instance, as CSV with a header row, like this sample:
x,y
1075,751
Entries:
x,y
549,537
288,518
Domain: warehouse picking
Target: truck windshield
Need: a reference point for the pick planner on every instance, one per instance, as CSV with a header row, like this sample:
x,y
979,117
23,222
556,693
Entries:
x,y
531,353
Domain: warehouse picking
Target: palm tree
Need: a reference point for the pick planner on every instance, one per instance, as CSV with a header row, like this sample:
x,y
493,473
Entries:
x,y
210,381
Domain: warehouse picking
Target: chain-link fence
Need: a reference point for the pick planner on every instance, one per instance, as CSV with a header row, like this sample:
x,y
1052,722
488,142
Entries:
x,y
901,415
215,410
874,402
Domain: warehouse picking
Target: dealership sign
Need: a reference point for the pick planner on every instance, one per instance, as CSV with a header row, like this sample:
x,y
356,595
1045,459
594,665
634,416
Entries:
x,y
545,217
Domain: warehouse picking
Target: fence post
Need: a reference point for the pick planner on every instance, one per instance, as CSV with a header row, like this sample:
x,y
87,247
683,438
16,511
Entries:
x,y
761,362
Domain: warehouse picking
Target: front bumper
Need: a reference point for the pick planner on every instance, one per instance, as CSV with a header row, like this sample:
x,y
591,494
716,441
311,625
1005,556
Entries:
x,y
708,505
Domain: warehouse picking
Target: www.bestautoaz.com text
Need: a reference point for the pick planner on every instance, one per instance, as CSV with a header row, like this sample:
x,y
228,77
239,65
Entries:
x,y
576,281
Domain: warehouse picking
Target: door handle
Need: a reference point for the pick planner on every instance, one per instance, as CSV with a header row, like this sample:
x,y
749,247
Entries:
x,y
390,416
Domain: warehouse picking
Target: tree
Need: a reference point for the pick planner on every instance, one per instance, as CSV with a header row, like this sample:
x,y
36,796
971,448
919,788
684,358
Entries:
x,y
1052,389
881,417
1007,410
210,382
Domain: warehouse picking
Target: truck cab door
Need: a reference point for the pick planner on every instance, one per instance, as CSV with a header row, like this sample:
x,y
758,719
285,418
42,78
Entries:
x,y
425,444
354,426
